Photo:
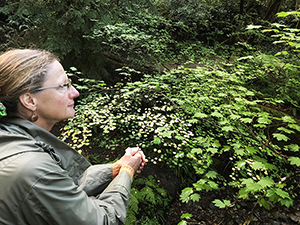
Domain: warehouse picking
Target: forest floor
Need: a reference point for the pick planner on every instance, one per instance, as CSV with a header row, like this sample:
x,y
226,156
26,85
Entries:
x,y
204,212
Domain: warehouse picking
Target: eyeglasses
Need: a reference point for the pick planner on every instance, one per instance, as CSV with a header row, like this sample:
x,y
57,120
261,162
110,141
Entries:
x,y
61,86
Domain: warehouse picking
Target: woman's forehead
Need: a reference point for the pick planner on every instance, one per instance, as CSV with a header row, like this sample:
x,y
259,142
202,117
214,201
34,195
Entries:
x,y
55,72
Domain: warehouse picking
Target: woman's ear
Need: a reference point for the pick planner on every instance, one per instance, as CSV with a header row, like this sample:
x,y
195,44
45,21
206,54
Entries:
x,y
28,101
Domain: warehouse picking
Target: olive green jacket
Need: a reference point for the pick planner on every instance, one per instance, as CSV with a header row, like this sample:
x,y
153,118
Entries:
x,y
44,181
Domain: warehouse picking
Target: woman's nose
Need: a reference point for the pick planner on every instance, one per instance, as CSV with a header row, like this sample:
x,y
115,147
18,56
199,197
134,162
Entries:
x,y
73,92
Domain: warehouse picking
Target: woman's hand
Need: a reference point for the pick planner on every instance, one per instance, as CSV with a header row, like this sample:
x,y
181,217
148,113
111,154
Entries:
x,y
134,158
136,150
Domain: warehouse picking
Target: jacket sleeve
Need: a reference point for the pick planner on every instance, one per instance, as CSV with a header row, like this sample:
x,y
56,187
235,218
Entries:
x,y
95,179
53,198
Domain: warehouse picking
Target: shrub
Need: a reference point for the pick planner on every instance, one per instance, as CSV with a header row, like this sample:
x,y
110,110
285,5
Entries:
x,y
205,125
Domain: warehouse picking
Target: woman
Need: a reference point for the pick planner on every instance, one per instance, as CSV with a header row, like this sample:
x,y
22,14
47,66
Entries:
x,y
42,179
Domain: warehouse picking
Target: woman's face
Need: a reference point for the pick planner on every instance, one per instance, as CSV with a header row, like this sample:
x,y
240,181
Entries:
x,y
55,103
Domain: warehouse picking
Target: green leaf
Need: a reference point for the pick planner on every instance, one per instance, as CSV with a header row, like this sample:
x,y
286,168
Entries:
x,y
285,130
186,216
212,150
195,197
258,165
167,134
246,120
271,193
254,187
282,14
264,203
245,57
266,182
252,150
228,128
197,150
288,119
294,126
264,120
234,117
292,147
216,144
185,194
281,193
226,148
211,174
213,184
183,222
243,193
280,53
240,163
250,27
156,140
239,151
247,181
222,95
287,202
227,202
221,204
217,114
200,115
280,137
294,161
260,125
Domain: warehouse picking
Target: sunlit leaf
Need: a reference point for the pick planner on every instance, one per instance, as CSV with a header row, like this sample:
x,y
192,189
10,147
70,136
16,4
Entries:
x,y
282,193
280,137
195,197
217,114
258,165
246,120
200,115
264,120
294,161
266,182
250,27
221,204
228,128
285,130
186,216
211,174
292,147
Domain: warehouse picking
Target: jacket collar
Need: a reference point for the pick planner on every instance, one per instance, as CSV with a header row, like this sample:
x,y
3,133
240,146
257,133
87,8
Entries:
x,y
71,160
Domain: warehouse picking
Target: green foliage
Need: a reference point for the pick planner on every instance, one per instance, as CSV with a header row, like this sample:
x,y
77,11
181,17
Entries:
x,y
148,202
271,77
59,26
286,35
221,204
201,121
56,23
185,216
149,39
214,127
277,76
141,38
62,28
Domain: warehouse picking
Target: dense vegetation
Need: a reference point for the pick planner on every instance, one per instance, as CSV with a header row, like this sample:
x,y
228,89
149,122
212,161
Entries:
x,y
208,89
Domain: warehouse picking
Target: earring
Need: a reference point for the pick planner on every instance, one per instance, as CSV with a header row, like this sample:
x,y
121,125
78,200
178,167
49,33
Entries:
x,y
34,117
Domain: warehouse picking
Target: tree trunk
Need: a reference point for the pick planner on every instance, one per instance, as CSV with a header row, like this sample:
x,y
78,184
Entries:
x,y
273,9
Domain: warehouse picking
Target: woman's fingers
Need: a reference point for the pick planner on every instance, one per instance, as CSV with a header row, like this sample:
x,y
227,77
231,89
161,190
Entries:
x,y
136,151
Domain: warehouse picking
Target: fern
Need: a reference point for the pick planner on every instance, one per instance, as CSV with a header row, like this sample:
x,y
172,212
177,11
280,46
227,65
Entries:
x,y
147,196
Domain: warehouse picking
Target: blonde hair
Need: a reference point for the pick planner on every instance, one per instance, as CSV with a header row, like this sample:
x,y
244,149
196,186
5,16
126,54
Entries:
x,y
22,71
